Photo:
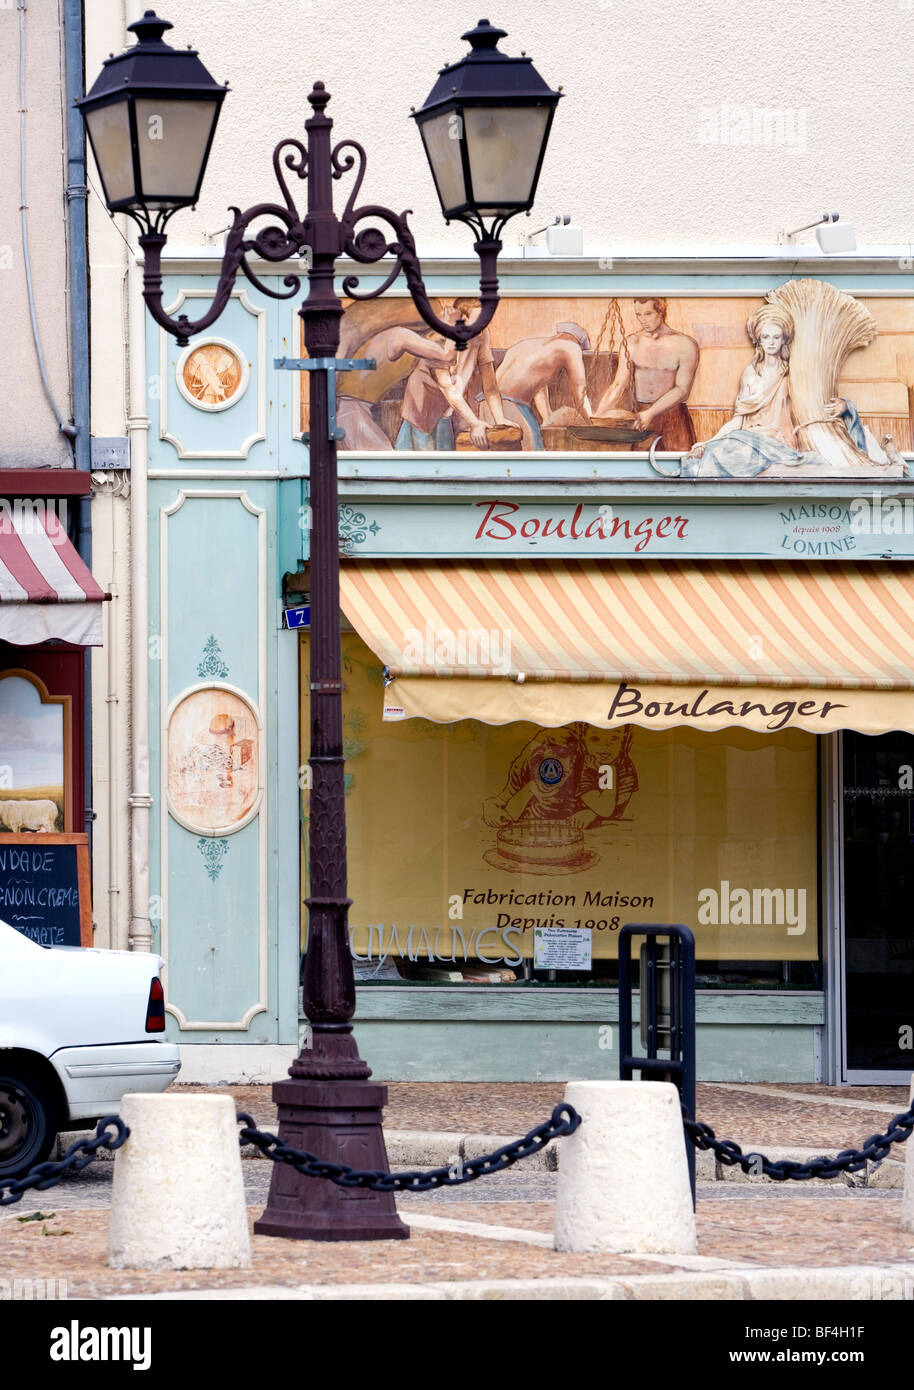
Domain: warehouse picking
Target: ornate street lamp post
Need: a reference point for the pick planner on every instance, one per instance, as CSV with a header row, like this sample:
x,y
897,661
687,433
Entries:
x,y
151,117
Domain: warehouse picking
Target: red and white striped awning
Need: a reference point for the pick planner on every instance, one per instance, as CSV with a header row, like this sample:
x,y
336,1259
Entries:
x,y
46,590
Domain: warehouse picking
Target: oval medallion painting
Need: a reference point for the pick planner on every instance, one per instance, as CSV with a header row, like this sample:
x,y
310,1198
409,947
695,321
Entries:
x,y
213,761
212,375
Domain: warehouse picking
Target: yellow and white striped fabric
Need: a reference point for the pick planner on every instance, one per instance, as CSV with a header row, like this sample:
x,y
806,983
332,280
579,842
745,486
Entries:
x,y
819,646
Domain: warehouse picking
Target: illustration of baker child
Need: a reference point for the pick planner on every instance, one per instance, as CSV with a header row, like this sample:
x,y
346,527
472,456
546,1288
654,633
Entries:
x,y
608,777
542,783
578,774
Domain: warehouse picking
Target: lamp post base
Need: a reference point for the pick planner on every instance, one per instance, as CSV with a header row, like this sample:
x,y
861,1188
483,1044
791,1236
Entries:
x,y
340,1121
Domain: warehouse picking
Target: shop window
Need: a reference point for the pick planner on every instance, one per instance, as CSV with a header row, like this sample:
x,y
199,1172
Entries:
x,y
511,854
34,738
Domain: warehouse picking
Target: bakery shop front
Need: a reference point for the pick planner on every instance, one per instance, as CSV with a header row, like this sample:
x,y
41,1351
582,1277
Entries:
x,y
603,680
539,751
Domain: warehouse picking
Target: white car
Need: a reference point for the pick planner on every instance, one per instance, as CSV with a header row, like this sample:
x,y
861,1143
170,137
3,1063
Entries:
x,y
78,1029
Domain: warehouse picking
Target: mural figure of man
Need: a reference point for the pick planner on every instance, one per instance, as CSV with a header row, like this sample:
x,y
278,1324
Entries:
x,y
528,367
654,378
436,396
395,350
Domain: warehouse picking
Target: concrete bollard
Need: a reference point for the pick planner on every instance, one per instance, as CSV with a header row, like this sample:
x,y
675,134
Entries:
x,y
178,1197
907,1201
623,1178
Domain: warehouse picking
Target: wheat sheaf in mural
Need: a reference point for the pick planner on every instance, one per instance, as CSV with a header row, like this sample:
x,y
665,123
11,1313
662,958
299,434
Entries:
x,y
827,326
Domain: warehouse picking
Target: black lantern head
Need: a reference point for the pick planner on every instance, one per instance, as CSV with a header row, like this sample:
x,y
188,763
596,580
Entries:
x,y
151,116
485,126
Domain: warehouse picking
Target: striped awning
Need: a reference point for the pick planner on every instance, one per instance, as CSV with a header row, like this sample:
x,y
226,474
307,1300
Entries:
x,y
46,590
706,644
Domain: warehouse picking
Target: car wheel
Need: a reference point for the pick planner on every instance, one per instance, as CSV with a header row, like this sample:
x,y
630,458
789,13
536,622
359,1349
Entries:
x,y
27,1121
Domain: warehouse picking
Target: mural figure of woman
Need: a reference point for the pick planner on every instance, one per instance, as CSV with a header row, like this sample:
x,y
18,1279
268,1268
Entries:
x,y
762,432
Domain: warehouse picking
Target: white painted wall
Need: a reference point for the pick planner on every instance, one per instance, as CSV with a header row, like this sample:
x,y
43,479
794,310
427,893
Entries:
x,y
630,156
29,436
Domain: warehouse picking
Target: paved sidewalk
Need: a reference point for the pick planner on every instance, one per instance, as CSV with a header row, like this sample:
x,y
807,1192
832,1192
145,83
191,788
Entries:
x,y
492,1239
794,1115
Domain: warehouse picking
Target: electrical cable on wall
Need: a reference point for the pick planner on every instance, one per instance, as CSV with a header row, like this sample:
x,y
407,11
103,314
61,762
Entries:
x,y
64,426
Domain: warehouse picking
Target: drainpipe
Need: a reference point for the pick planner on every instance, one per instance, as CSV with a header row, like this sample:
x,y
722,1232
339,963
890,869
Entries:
x,y
140,800
76,194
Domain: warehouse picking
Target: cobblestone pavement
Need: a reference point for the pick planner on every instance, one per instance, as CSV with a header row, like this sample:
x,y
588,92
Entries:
x,y
742,1232
750,1114
742,1226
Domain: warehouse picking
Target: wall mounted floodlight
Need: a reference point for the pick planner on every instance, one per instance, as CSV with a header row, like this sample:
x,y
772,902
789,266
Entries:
x,y
831,238
561,238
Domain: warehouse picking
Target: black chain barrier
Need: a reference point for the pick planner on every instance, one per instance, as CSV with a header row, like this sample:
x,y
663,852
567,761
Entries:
x,y
564,1120
77,1157
875,1150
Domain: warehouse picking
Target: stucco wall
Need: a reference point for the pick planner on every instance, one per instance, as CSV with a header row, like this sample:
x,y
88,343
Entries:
x,y
648,88
29,437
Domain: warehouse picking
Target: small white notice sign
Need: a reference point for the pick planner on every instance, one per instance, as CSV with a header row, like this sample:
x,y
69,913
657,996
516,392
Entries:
x,y
562,948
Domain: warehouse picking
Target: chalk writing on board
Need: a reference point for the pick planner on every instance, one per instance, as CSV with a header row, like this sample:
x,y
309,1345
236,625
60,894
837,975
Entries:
x,y
39,892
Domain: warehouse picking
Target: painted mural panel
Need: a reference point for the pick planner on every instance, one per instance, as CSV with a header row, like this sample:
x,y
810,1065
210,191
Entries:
x,y
805,382
213,765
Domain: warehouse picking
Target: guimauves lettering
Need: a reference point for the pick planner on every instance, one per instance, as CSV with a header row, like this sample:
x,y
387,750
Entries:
x,y
492,943
500,523
627,705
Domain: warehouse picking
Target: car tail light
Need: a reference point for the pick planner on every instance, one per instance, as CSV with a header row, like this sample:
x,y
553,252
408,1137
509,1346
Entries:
x,y
155,1009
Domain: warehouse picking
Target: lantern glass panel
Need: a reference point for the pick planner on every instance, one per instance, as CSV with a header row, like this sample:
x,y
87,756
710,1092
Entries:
x,y
109,132
173,139
504,145
441,136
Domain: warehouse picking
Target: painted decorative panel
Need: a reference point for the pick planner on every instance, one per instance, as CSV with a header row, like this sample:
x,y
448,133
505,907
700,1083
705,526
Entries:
x,y
213,394
213,726
214,572
216,942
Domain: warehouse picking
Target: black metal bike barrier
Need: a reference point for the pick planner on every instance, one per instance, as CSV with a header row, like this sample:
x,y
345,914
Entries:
x,y
667,981
668,1021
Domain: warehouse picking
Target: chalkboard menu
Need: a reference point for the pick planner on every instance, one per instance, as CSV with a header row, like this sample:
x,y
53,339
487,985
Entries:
x,y
45,888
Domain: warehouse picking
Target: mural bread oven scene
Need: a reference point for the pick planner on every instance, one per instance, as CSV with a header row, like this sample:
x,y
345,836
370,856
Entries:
x,y
806,382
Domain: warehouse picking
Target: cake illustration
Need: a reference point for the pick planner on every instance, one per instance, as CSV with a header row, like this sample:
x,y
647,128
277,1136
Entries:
x,y
540,847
